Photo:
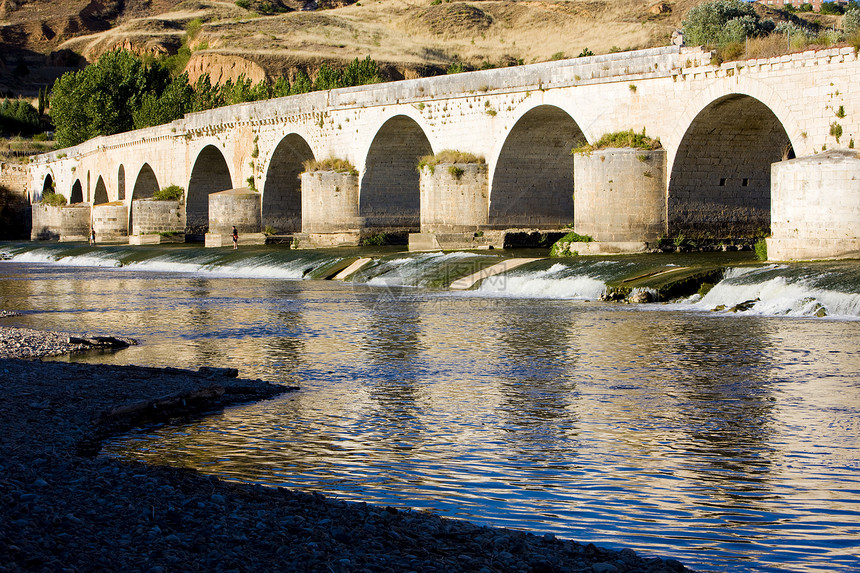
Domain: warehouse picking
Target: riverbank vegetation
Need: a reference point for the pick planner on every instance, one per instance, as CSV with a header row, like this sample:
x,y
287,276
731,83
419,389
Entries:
x,y
735,30
122,92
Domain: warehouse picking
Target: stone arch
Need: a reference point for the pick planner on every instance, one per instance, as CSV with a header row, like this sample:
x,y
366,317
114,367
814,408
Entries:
x,y
532,183
389,195
719,185
145,186
282,190
89,189
100,196
146,183
48,185
77,195
120,183
210,174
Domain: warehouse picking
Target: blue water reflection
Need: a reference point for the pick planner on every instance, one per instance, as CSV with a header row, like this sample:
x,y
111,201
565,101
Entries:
x,y
727,442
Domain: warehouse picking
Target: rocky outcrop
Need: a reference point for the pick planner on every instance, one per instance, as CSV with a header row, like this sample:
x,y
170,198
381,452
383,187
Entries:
x,y
223,67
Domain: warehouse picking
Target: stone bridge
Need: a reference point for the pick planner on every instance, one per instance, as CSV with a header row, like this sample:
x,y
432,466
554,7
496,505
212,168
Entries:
x,y
725,130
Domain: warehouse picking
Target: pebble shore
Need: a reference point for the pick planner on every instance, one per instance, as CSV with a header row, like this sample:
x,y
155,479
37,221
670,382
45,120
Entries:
x,y
63,508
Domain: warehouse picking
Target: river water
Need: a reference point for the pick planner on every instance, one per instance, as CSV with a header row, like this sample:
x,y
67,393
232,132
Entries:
x,y
729,441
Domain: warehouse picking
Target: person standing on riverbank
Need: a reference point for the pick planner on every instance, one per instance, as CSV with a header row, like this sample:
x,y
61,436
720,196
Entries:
x,y
235,237
93,235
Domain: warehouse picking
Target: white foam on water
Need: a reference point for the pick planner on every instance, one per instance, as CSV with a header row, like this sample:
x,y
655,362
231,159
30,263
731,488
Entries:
x,y
94,259
549,283
777,296
249,268
408,271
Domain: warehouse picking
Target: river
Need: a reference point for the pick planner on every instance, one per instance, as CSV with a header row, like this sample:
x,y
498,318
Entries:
x,y
726,440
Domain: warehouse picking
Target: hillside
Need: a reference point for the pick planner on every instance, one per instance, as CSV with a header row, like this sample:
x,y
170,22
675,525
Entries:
x,y
409,38
40,38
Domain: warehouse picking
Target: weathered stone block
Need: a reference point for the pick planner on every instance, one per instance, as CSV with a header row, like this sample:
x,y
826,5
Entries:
x,y
619,195
454,197
330,204
815,207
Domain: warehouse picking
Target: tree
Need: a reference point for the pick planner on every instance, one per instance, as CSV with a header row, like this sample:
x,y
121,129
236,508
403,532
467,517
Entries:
x,y
102,98
206,96
174,102
705,23
302,83
851,21
360,73
327,78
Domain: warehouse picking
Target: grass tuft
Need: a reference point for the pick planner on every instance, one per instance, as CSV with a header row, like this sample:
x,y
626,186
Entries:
x,y
621,139
330,164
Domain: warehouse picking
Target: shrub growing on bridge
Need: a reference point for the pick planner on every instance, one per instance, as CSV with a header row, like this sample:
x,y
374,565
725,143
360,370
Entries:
x,y
621,139
53,199
330,164
448,156
169,193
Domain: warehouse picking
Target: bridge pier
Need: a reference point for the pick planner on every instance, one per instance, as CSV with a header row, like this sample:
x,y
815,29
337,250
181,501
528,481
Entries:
x,y
330,216
67,223
454,207
110,222
241,208
815,207
153,222
619,199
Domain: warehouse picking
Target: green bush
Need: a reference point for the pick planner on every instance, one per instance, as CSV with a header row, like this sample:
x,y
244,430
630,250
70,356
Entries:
x,y
562,247
374,240
53,199
832,8
121,92
851,21
456,68
761,250
708,23
19,117
169,193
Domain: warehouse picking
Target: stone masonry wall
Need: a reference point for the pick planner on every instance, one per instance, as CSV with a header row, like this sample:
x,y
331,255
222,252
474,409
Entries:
x,y
816,206
150,217
110,221
619,194
454,197
330,202
240,207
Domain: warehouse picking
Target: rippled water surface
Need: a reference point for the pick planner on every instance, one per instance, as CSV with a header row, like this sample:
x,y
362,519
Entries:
x,y
729,442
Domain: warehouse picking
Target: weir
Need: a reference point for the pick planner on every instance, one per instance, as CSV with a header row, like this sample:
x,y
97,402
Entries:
x,y
725,135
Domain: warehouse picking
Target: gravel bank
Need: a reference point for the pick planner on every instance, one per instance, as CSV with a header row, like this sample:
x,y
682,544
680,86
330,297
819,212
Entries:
x,y
62,509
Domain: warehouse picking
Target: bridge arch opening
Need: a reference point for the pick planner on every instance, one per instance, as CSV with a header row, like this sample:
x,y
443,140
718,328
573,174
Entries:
x,y
145,186
77,195
48,185
720,181
209,175
120,183
389,192
533,180
146,183
282,191
101,195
